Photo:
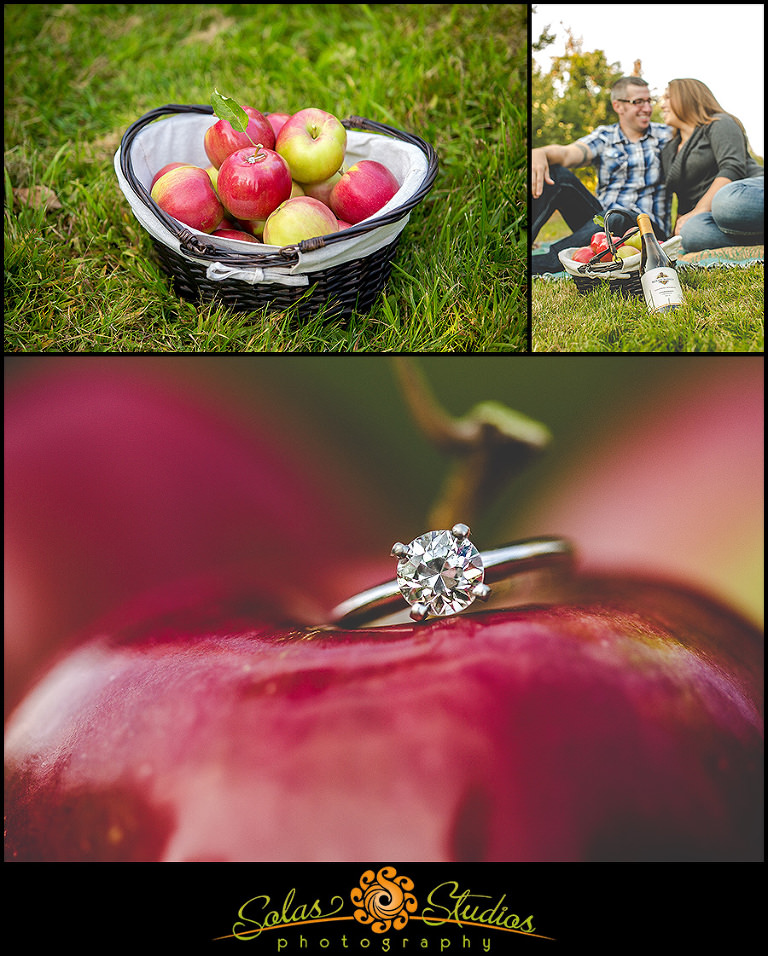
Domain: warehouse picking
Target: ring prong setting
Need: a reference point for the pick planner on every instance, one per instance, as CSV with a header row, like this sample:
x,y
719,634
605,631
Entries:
x,y
419,612
440,573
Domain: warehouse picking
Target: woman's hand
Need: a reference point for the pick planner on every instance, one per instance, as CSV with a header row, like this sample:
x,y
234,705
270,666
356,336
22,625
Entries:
x,y
681,220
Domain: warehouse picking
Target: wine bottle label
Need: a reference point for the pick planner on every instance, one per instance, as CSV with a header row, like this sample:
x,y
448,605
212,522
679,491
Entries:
x,y
661,288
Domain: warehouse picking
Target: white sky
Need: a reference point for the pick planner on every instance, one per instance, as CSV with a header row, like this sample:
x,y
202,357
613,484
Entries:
x,y
720,44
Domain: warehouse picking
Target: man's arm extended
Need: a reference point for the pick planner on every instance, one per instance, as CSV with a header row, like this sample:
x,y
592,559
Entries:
x,y
575,154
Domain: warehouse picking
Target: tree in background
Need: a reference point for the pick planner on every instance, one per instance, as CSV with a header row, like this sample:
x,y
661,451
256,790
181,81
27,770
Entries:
x,y
573,97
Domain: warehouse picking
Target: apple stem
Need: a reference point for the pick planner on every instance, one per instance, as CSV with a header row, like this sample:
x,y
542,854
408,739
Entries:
x,y
489,446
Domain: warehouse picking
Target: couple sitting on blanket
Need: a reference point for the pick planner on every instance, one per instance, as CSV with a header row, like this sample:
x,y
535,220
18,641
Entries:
x,y
700,153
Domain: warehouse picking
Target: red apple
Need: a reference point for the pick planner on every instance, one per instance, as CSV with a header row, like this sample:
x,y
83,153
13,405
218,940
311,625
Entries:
x,y
107,459
221,139
298,219
621,725
671,480
186,194
322,190
313,143
167,168
599,243
254,226
277,121
253,182
584,254
362,190
235,234
342,224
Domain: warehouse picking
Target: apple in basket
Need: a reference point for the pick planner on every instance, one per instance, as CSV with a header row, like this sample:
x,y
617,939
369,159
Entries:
x,y
584,254
322,190
362,190
166,169
186,194
235,234
313,143
277,121
636,240
221,139
252,182
297,219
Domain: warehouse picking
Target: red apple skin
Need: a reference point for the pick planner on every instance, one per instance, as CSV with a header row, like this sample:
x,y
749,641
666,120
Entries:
x,y
343,225
313,143
111,457
235,234
362,190
252,183
622,725
671,482
297,219
221,140
166,169
277,121
186,193
584,254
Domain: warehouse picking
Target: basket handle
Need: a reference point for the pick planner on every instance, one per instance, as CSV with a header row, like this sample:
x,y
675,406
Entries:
x,y
616,264
194,245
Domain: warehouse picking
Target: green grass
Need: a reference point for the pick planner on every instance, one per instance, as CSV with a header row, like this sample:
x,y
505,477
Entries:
x,y
81,277
722,312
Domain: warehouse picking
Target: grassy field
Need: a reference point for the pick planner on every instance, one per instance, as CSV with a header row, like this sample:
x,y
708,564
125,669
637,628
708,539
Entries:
x,y
723,312
79,274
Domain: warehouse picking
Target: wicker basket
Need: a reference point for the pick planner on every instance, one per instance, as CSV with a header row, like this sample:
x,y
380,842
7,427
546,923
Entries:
x,y
622,276
339,273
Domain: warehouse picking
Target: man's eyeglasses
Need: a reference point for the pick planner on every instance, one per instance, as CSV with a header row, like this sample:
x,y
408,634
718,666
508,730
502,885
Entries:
x,y
641,102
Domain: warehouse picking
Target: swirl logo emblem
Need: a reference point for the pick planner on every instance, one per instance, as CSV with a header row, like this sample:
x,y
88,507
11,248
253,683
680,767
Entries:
x,y
384,899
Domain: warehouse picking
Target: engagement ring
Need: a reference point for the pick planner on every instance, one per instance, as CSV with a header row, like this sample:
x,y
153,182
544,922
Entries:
x,y
442,573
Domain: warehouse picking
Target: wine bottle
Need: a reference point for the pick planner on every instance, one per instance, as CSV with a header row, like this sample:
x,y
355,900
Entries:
x,y
660,282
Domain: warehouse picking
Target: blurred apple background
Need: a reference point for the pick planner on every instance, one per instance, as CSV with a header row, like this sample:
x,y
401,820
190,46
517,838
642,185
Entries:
x,y
124,473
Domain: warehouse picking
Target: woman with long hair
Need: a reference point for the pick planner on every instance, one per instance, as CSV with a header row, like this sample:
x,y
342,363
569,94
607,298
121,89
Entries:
x,y
707,163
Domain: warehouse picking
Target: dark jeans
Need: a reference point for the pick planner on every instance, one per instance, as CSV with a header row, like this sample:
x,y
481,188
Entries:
x,y
576,204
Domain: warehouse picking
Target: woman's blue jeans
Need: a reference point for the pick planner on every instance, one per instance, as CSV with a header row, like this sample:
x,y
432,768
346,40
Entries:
x,y
737,218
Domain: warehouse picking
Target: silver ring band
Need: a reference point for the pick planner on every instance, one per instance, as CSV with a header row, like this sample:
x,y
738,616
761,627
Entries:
x,y
500,564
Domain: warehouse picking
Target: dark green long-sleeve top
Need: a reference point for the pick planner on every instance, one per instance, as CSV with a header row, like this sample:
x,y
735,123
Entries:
x,y
716,149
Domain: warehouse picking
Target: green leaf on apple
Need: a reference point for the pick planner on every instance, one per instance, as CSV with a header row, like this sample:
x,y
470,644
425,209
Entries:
x,y
227,109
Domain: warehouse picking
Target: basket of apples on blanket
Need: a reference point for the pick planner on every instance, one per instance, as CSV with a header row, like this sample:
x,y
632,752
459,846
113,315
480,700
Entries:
x,y
273,209
610,260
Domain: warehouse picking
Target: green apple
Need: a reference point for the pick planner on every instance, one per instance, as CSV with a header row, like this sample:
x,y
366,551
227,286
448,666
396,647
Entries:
x,y
635,241
313,143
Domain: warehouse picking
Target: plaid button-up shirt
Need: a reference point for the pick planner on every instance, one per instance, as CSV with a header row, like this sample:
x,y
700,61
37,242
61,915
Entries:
x,y
629,174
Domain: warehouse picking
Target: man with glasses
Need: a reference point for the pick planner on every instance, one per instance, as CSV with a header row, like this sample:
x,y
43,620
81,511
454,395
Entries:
x,y
627,158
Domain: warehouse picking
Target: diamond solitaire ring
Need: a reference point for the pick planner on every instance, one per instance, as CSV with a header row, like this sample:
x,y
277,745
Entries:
x,y
441,573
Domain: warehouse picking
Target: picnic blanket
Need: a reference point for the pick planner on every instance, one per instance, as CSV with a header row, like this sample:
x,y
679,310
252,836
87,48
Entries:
x,y
733,256
727,256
